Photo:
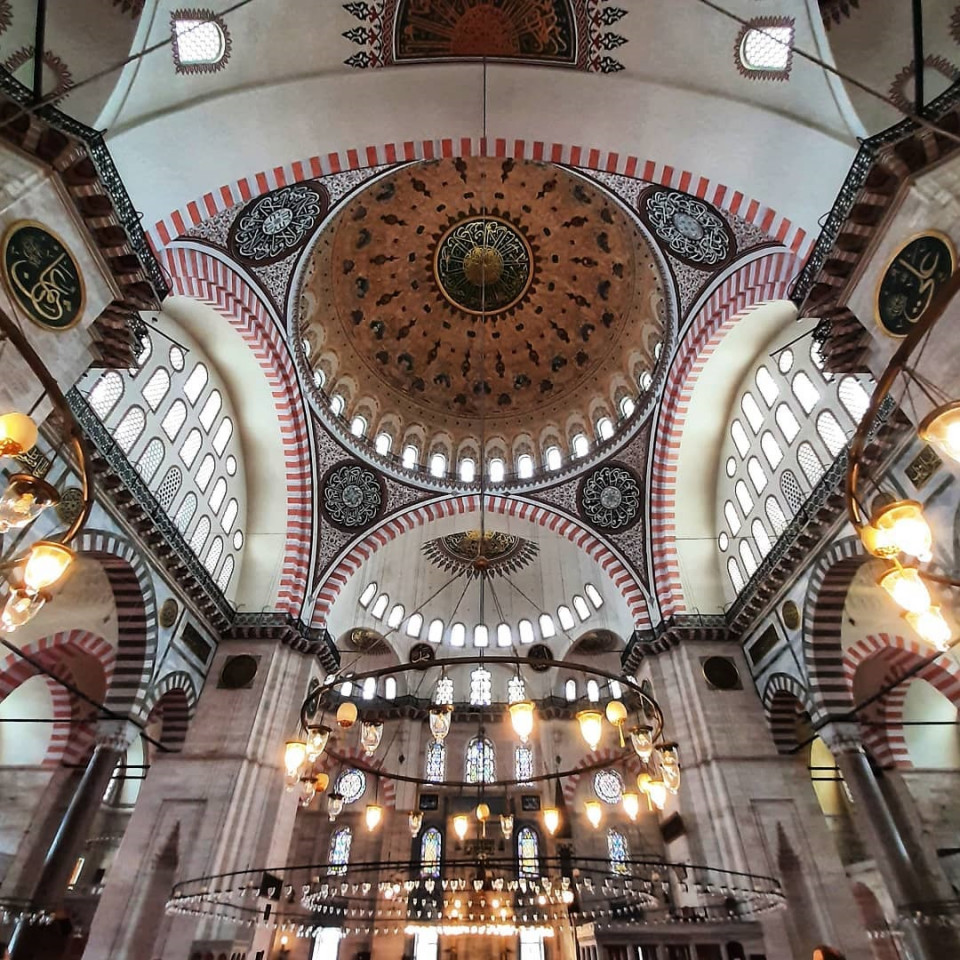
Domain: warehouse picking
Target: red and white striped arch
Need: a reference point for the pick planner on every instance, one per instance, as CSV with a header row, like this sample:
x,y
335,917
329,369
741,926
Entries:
x,y
362,549
387,786
606,756
727,198
758,281
201,275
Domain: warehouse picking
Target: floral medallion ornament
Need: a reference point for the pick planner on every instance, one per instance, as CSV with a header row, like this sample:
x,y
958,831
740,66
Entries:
x,y
691,230
352,495
277,223
610,498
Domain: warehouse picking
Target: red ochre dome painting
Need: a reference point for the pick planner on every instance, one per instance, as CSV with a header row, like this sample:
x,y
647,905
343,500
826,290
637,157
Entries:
x,y
454,292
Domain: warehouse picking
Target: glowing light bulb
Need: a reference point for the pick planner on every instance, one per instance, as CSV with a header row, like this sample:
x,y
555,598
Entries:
x,y
321,781
931,626
373,815
294,755
902,527
46,564
594,812
591,727
551,819
631,804
521,716
941,427
483,812
907,589
461,824
18,433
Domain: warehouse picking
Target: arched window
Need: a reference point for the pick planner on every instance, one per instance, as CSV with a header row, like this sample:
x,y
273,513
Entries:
x,y
226,572
438,465
481,764
218,495
358,426
766,48
565,616
369,690
436,762
390,688
805,391
580,445
319,378
528,852
430,846
210,410
346,689
732,517
740,439
618,852
222,437
195,383
435,631
616,691
150,460
369,592
174,418
854,398
336,405
771,449
525,628
733,571
547,629
383,443
339,855
524,466
198,44
480,688
396,616
468,470
169,487
214,554
831,433
810,463
775,515
816,355
593,691
552,458
190,447
747,558
792,493
185,512
627,406
504,635
143,355
156,388
200,534
787,423
757,476
409,458
458,635
205,471
743,497
768,387
580,605
593,595
106,394
751,411
570,690
380,607
760,537
496,470
481,636
645,380
523,764
604,428
128,430
415,625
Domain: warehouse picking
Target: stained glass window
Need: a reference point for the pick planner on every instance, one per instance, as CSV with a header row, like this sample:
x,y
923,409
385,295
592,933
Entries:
x,y
481,766
618,852
339,852
608,786
430,846
436,762
528,852
351,785
524,764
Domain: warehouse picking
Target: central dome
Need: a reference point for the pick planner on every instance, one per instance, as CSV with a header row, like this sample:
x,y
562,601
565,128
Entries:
x,y
481,295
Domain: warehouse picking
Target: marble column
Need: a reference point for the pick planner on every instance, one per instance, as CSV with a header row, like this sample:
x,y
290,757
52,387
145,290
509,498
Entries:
x,y
913,889
31,942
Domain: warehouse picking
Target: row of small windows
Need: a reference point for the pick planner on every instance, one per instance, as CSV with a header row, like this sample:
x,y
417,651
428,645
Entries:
x,y
369,689
571,690
479,764
481,633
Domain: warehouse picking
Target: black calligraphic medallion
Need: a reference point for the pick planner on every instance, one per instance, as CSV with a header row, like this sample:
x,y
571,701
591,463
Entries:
x,y
912,278
42,275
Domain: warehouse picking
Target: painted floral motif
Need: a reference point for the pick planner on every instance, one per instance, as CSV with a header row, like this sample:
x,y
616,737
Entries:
x,y
352,495
278,222
610,498
691,230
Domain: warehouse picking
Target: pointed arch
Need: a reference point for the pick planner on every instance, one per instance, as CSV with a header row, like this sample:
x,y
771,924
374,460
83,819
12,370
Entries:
x,y
785,700
364,546
606,755
173,701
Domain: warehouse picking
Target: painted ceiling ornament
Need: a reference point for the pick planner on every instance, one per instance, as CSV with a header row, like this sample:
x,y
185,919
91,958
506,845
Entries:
x,y
353,495
278,223
610,497
690,229
499,553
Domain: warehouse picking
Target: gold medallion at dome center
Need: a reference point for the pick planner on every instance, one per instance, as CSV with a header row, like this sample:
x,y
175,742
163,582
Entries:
x,y
482,266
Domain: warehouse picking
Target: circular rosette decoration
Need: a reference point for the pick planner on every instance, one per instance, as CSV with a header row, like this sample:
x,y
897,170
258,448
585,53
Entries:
x,y
353,495
689,228
610,497
278,223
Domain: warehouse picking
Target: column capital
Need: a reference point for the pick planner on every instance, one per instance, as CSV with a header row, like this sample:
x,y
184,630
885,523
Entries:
x,y
841,737
116,734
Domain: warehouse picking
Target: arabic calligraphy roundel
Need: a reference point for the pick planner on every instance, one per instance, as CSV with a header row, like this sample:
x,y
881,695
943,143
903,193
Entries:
x,y
689,228
42,275
916,272
352,495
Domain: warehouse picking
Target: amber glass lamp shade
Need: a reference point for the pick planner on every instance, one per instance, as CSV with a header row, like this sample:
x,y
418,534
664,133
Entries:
x,y
899,527
321,781
941,429
460,825
591,727
294,755
616,714
46,563
373,815
657,792
483,812
594,812
347,714
631,803
907,589
18,434
521,716
551,819
931,625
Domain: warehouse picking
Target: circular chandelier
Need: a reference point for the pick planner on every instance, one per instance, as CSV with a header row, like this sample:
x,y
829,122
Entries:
x,y
32,573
